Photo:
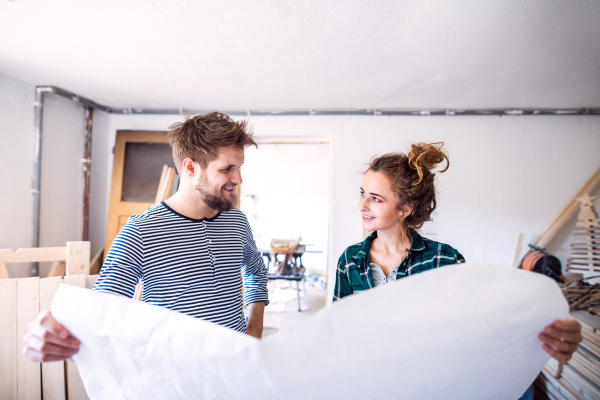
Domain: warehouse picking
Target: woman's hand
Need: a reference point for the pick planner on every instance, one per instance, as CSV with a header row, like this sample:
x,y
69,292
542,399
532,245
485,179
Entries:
x,y
47,340
561,339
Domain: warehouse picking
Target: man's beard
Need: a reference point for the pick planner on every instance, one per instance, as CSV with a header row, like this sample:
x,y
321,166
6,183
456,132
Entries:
x,y
220,202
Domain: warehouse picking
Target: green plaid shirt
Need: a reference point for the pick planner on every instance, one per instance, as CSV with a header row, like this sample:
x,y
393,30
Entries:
x,y
354,274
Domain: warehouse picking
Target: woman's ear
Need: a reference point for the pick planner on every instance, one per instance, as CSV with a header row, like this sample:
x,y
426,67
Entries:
x,y
406,210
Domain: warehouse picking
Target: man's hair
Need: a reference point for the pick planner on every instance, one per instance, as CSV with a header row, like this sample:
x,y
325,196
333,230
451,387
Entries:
x,y
199,138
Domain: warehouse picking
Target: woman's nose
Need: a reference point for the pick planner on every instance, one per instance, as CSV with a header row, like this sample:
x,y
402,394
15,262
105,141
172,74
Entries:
x,y
362,204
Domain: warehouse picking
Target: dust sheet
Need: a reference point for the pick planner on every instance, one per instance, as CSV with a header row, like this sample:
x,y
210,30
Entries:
x,y
459,332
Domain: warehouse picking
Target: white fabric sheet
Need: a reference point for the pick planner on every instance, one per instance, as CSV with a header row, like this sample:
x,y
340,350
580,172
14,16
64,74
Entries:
x,y
459,332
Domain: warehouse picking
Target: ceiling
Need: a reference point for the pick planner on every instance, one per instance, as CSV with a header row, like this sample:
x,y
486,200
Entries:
x,y
238,55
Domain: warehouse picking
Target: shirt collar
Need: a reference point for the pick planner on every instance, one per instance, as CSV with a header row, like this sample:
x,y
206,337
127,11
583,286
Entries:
x,y
416,245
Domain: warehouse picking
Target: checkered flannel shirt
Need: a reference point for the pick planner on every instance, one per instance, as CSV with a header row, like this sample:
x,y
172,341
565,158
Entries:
x,y
354,274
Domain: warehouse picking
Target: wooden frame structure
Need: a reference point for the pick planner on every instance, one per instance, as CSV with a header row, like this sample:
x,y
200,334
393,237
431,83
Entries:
x,y
21,300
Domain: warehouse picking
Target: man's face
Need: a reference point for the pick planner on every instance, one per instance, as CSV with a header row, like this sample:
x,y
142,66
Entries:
x,y
218,182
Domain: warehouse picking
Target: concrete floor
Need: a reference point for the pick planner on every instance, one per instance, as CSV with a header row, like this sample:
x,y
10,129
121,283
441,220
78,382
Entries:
x,y
283,308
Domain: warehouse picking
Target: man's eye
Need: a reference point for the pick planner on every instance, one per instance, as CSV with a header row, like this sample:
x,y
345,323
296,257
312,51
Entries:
x,y
362,194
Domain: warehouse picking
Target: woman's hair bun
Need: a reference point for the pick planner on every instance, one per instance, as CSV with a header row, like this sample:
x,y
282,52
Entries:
x,y
426,156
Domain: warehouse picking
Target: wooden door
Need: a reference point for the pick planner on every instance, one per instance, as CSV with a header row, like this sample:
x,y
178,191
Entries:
x,y
137,165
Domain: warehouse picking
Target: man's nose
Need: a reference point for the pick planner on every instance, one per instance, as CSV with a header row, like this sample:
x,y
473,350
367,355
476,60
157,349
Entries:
x,y
237,177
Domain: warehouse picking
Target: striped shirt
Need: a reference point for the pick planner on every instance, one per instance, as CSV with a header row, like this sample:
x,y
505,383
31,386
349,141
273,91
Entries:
x,y
354,268
188,265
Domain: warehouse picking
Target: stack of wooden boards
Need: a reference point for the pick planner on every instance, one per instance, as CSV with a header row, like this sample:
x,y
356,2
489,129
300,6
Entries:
x,y
579,379
585,245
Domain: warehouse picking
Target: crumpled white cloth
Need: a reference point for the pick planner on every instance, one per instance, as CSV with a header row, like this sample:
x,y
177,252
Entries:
x,y
459,332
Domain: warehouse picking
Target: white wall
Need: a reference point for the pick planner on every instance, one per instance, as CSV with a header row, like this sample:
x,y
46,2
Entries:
x,y
61,193
507,174
16,167
100,180
61,198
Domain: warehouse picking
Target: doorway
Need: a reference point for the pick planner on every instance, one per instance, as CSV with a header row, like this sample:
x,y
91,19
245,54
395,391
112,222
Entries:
x,y
285,194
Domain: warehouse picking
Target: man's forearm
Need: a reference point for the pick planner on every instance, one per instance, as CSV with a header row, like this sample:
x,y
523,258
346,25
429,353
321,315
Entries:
x,y
256,312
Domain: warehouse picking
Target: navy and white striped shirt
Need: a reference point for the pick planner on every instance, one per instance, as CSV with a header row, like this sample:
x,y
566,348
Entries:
x,y
188,265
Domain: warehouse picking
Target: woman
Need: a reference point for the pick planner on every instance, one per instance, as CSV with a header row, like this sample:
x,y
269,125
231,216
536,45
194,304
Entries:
x,y
397,197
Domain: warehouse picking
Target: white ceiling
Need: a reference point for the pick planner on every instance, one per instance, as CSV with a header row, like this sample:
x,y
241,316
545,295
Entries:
x,y
308,54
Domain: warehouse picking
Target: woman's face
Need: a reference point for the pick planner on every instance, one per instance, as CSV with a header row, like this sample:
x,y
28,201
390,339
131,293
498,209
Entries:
x,y
378,204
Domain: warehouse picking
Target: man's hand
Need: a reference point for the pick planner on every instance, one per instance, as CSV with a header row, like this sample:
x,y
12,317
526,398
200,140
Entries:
x,y
561,339
47,340
256,312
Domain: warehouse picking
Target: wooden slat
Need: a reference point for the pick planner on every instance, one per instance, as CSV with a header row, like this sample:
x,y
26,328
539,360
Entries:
x,y
53,373
39,254
3,271
138,292
171,183
568,212
96,263
514,260
75,389
162,184
8,339
90,280
28,308
59,268
78,258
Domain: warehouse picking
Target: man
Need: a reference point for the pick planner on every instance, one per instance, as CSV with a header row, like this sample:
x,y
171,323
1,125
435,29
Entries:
x,y
188,250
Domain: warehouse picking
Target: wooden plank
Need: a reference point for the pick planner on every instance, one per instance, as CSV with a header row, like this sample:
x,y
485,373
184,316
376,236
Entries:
x,y
90,280
96,263
59,268
162,184
568,212
8,339
28,308
78,258
53,373
170,184
3,271
75,389
138,292
38,254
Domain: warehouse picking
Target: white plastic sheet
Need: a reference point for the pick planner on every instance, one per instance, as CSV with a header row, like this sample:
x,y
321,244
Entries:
x,y
459,332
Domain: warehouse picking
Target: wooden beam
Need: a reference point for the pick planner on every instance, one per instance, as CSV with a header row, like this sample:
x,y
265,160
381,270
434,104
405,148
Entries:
x,y
90,280
59,268
28,308
53,373
3,271
8,339
96,263
38,254
78,258
75,389
568,211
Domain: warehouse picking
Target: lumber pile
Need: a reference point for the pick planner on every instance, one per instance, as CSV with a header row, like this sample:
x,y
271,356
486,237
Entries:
x,y
585,245
580,378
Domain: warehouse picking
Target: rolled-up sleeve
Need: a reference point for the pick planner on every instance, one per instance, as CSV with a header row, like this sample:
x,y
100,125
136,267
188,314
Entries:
x,y
122,267
254,271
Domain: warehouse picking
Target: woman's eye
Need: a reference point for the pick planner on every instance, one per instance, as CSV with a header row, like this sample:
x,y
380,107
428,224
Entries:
x,y
362,194
376,199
